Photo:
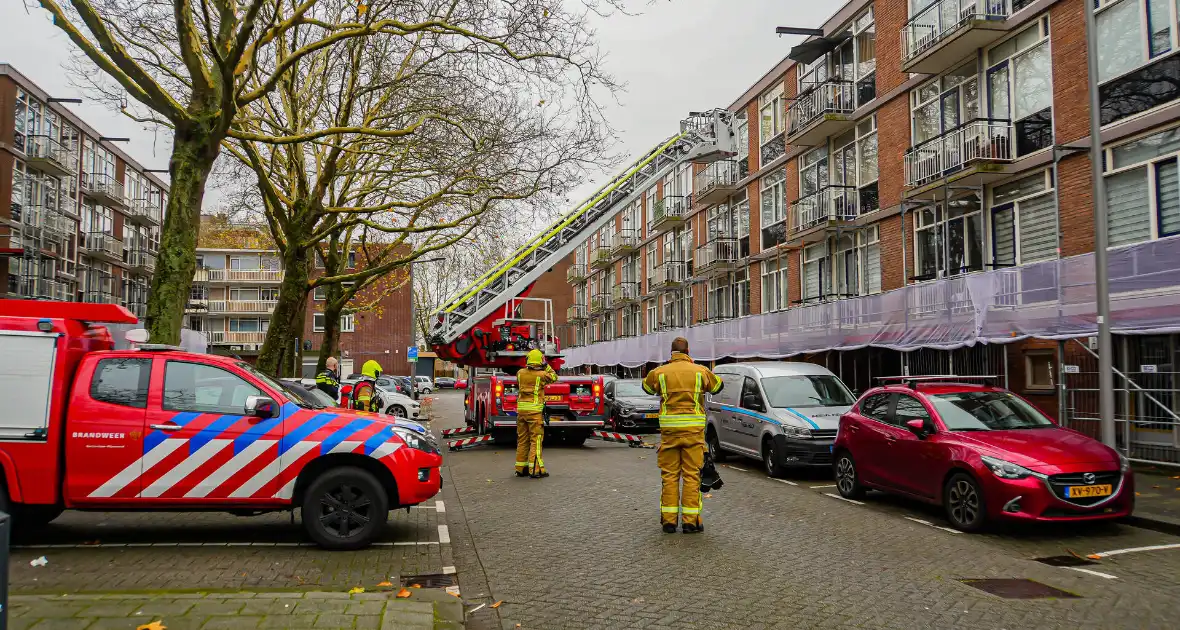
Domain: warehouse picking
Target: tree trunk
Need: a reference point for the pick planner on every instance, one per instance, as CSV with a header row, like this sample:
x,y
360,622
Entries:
x,y
331,337
193,152
279,353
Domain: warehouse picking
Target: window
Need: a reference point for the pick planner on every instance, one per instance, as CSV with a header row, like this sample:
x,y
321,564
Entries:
x,y
650,203
122,382
751,398
774,285
741,292
774,209
742,140
1038,370
1024,220
1020,86
347,323
205,389
1122,26
244,263
789,392
987,411
771,113
858,263
250,294
909,408
651,264
717,305
816,284
319,294
875,406
730,389
631,316
248,325
948,238
813,172
652,315
1143,188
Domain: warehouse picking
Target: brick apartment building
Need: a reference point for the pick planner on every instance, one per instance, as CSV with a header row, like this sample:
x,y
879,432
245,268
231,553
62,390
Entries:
x,y
79,219
236,288
951,149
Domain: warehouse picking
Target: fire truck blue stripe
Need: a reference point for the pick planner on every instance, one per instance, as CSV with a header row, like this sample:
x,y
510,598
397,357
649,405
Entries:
x,y
252,434
213,431
342,434
155,438
310,426
378,439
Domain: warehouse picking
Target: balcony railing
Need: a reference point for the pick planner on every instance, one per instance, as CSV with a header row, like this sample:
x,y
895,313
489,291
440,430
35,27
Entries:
x,y
670,274
48,154
577,313
40,288
103,188
830,203
142,259
983,139
601,258
103,245
624,241
242,275
223,338
576,273
600,303
46,218
669,212
834,98
624,293
717,182
142,212
943,21
100,297
665,324
719,254
241,306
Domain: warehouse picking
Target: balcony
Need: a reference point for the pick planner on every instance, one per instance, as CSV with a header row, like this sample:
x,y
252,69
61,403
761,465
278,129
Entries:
x,y
600,303
100,297
946,32
823,111
717,182
104,189
222,338
670,275
241,307
624,242
717,257
142,212
47,154
56,226
577,313
102,246
142,261
624,293
826,207
576,273
974,151
240,275
601,257
669,212
670,324
196,306
40,288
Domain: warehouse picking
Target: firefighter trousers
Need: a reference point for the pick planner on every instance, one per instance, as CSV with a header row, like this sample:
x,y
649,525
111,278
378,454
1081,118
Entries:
x,y
530,431
681,455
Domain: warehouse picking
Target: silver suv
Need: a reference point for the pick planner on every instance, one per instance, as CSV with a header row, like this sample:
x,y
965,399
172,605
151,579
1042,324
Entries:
x,y
783,413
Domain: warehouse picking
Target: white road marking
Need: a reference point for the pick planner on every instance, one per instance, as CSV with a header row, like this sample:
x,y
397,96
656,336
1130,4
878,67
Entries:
x,y
439,506
736,468
424,507
817,487
444,535
836,496
207,544
1092,572
1119,552
789,483
949,530
448,570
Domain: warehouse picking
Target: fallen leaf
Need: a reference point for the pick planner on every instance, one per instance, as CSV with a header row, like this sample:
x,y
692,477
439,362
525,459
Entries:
x,y
1176,477
457,595
415,586
1094,556
404,593
356,589
497,604
1156,487
1136,494
709,496
384,584
155,625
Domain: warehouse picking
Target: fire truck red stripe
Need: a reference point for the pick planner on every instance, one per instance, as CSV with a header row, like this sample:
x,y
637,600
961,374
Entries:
x,y
246,473
154,472
180,488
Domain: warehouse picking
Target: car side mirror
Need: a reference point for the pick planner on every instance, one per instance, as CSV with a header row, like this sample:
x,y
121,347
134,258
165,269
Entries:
x,y
752,402
918,427
261,407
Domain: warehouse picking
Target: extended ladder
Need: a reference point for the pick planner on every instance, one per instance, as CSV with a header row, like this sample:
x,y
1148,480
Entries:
x,y
704,137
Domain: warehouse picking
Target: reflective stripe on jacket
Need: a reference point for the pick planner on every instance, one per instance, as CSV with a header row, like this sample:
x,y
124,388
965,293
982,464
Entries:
x,y
531,384
364,397
681,385
326,382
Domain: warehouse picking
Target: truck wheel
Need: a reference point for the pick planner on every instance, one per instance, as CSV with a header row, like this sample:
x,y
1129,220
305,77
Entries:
x,y
344,508
575,440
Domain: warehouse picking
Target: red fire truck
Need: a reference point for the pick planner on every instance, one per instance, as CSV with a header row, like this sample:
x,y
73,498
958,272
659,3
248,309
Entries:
x,y
574,408
154,428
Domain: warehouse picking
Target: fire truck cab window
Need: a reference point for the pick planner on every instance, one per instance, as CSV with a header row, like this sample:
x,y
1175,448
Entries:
x,y
205,389
122,382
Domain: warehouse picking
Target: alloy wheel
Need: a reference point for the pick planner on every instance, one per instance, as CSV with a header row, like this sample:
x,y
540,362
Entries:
x,y
345,510
846,475
964,502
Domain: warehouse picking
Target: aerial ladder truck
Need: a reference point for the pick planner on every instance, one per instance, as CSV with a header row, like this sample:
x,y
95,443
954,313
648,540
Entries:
x,y
486,325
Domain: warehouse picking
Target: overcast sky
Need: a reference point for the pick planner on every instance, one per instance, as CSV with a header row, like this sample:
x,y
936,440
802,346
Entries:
x,y
676,56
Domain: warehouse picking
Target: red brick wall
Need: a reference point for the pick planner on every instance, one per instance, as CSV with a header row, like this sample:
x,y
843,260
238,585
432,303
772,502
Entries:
x,y
1044,399
755,288
1067,33
892,260
1074,183
893,138
889,16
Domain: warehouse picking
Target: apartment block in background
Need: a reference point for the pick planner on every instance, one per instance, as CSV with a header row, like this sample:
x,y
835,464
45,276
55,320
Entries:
x,y
79,219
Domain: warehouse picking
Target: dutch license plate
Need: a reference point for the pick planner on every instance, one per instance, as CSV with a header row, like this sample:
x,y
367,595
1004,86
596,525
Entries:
x,y
653,415
553,399
1077,492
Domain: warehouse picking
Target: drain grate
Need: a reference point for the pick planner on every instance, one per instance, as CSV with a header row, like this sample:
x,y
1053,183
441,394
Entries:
x,y
1065,561
1018,588
432,580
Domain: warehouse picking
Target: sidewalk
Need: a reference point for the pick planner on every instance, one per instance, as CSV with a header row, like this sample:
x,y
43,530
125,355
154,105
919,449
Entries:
x,y
425,609
1157,498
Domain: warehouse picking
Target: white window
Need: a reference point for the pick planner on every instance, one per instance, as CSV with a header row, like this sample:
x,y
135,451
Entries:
x,y
774,285
742,136
944,104
631,316
813,172
948,238
1143,188
815,272
741,292
244,263
652,315
650,203
771,113
347,323
1020,87
1023,217
682,182
319,294
236,293
650,253
857,264
1132,33
718,305
774,198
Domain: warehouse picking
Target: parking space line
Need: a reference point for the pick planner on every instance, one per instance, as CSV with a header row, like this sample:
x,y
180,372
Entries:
x,y
438,505
816,487
1119,552
736,468
836,496
948,530
444,535
448,570
789,483
1097,573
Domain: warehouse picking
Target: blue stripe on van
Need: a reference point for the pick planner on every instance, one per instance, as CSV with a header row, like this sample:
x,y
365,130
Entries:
x,y
804,418
747,412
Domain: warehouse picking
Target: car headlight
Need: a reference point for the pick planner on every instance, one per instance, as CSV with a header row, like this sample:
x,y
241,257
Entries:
x,y
626,410
1124,463
415,441
797,432
1007,470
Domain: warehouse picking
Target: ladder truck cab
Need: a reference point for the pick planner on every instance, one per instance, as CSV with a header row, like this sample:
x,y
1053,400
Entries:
x,y
574,408
87,427
493,323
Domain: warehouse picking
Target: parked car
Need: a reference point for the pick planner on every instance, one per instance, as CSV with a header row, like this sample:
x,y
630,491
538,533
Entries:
x,y
397,403
460,383
423,384
982,453
318,399
783,413
444,382
397,384
628,407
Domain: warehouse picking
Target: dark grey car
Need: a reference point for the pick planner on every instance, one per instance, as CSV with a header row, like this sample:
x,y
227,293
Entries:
x,y
629,408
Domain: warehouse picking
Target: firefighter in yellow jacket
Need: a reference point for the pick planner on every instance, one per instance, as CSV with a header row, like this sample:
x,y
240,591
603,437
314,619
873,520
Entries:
x,y
681,385
530,407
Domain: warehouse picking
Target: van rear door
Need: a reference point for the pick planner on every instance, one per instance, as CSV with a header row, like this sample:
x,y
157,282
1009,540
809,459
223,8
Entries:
x,y
105,447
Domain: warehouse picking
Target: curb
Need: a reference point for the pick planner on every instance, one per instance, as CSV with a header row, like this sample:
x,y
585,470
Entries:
x,y
1155,522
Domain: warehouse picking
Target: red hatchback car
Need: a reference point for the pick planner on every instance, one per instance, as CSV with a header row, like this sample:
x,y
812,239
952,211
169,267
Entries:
x,y
981,452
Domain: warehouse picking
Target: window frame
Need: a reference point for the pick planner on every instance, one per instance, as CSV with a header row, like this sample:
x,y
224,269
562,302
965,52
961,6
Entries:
x,y
1150,165
778,277
1144,15
1014,204
1029,356
164,390
142,390
773,187
772,101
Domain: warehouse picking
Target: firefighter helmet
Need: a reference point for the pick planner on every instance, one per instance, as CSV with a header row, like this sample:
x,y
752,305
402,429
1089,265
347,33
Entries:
x,y
536,358
372,369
